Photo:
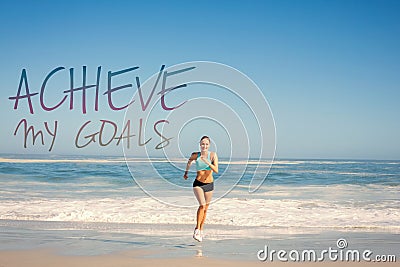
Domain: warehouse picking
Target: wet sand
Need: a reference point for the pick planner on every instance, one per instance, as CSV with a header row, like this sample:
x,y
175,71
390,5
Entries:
x,y
40,258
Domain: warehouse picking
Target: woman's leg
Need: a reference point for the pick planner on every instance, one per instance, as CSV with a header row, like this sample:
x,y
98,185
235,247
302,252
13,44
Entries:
x,y
200,196
207,196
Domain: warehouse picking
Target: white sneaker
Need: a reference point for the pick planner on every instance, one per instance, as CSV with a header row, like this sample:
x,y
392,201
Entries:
x,y
197,235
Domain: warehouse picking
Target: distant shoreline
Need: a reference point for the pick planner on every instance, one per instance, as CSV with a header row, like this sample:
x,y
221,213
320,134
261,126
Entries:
x,y
32,158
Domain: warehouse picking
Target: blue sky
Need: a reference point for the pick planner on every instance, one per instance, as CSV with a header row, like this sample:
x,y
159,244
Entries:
x,y
329,69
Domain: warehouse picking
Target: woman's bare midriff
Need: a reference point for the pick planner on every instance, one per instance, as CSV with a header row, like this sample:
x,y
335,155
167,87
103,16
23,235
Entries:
x,y
205,176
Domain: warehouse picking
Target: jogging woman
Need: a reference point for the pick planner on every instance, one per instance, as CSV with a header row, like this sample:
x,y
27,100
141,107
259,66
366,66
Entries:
x,y
203,185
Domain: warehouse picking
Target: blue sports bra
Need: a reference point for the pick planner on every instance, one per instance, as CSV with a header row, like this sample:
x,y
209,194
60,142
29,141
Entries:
x,y
201,165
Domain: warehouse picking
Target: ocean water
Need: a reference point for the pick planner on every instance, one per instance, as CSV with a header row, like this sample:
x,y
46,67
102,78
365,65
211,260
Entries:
x,y
61,200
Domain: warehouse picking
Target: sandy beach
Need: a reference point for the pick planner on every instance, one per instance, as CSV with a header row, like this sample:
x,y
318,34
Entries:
x,y
40,258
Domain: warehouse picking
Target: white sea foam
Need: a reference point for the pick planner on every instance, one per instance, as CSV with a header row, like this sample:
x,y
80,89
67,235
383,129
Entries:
x,y
370,174
276,162
99,197
128,160
11,160
226,211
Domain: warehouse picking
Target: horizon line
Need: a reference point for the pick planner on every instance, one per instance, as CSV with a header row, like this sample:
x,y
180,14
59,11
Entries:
x,y
175,158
